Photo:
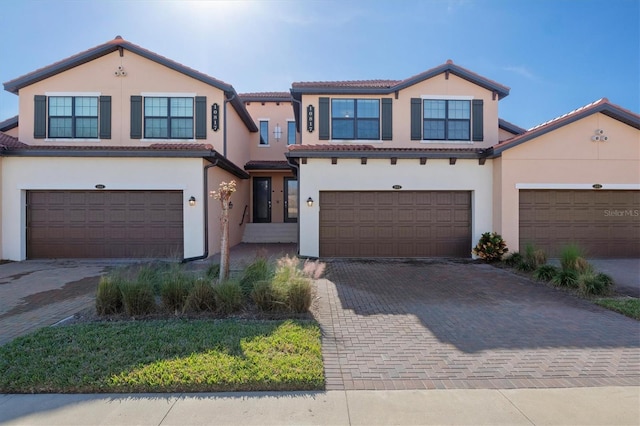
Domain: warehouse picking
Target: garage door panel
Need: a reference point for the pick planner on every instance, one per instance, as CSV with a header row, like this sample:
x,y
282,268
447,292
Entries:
x,y
396,224
104,224
550,219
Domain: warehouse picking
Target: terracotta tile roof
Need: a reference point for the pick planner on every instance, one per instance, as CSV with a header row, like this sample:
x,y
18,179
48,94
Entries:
x,y
265,96
267,165
388,86
371,148
153,147
600,106
368,84
9,142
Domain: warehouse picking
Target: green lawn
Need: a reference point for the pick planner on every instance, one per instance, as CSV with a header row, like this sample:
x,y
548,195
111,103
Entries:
x,y
165,356
629,306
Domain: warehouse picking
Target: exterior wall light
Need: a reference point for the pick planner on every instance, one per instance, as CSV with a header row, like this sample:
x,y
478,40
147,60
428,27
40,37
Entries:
x,y
310,202
277,132
230,205
192,201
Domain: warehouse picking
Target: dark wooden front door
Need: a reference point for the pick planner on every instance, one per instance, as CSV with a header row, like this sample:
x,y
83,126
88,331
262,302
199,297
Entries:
x,y
262,200
290,199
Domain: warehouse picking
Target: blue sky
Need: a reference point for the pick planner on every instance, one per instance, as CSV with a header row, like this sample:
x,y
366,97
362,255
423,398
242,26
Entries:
x,y
555,55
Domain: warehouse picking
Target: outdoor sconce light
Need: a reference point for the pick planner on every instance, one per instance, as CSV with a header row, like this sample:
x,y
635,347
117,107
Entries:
x,y
277,132
310,202
192,201
230,205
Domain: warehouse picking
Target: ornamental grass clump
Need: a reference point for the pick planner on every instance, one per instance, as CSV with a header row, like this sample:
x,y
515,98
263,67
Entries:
x,y
532,259
545,273
201,297
491,247
572,258
137,297
175,286
228,296
594,284
258,270
108,295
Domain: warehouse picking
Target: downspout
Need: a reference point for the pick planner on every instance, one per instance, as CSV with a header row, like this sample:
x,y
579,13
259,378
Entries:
x,y
297,173
205,197
224,124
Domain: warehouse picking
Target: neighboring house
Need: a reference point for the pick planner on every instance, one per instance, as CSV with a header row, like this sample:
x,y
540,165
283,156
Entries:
x,y
117,149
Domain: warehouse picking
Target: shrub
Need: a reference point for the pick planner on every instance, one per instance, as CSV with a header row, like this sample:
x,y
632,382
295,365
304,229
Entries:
x,y
566,278
201,297
572,258
228,296
491,247
532,259
299,294
137,297
108,296
592,284
545,272
174,289
151,275
513,260
259,270
266,298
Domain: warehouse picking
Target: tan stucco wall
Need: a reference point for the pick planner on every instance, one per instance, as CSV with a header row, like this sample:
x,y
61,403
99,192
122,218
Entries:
x,y
435,86
276,113
12,132
143,76
20,174
379,175
567,158
238,138
503,135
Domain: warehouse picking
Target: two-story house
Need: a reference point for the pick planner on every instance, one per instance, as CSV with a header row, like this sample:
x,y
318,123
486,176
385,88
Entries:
x,y
116,151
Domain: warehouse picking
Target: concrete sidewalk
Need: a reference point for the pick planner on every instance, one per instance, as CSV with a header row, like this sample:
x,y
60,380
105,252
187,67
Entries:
x,y
568,406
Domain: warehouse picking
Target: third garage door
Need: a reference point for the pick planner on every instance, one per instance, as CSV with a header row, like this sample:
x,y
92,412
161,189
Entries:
x,y
395,224
104,224
603,223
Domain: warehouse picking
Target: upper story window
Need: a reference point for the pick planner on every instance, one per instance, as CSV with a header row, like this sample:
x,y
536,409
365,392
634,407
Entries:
x,y
168,118
447,120
264,132
291,132
355,119
73,117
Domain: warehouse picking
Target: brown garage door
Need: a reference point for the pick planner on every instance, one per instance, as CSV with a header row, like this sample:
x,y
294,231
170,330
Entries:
x,y
603,223
104,224
395,224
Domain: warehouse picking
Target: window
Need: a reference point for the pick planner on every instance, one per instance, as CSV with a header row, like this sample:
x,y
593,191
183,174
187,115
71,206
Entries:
x,y
73,117
264,133
355,118
168,118
446,120
291,132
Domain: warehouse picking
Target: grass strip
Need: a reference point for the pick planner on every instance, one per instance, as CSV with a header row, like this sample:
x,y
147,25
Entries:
x,y
629,306
165,356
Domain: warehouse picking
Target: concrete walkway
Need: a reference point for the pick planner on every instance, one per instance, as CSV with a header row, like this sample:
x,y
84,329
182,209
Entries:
x,y
569,406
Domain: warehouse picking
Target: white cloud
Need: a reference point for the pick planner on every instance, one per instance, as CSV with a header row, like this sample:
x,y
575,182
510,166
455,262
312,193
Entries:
x,y
522,71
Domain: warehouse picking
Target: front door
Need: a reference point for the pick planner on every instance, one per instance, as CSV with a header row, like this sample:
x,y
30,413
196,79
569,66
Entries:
x,y
262,200
290,199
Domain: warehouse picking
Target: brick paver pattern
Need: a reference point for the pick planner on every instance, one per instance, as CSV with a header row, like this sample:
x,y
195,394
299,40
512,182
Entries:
x,y
453,324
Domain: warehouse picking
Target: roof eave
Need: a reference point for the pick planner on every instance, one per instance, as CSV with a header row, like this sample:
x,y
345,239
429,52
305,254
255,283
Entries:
x,y
387,154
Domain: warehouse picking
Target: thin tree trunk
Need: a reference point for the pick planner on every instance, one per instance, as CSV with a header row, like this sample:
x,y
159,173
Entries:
x,y
224,249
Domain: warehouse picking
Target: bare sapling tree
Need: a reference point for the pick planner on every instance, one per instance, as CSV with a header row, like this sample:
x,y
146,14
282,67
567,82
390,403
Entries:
x,y
224,192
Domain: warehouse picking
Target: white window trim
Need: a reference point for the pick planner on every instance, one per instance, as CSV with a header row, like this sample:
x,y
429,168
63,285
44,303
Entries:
x,y
450,98
269,141
618,186
73,94
170,95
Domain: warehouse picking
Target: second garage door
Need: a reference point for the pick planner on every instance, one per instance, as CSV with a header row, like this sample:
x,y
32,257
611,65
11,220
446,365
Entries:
x,y
603,223
104,224
395,224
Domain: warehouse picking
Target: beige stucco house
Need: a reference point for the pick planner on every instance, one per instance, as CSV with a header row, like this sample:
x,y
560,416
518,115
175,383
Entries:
x,y
116,150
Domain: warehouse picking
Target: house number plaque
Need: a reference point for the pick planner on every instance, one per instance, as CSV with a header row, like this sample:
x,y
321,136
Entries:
x,y
215,117
310,118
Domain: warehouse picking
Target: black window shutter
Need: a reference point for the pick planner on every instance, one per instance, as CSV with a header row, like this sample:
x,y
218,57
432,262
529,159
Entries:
x,y
416,119
105,117
40,117
136,117
201,117
478,119
387,119
323,118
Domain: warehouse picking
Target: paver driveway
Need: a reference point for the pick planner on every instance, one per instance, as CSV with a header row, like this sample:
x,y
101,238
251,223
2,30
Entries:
x,y
447,324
